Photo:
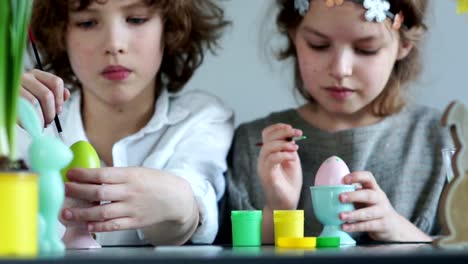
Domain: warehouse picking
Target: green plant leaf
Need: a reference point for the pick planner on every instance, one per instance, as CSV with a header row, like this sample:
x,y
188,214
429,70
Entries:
x,y
4,78
14,19
19,26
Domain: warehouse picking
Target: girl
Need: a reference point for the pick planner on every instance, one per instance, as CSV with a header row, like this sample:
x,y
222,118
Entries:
x,y
163,151
353,62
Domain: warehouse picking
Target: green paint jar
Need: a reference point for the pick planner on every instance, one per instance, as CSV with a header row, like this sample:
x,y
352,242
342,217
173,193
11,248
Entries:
x,y
246,228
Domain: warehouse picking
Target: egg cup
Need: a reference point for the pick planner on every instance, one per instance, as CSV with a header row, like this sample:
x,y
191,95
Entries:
x,y
76,235
327,208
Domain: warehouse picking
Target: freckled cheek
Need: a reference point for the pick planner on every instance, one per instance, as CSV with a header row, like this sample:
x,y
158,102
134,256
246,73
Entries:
x,y
373,75
311,75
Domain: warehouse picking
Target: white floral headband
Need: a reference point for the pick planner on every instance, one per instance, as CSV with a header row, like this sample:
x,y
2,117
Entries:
x,y
377,10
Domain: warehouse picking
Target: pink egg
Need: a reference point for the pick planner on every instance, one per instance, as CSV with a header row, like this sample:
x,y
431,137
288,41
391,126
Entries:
x,y
331,172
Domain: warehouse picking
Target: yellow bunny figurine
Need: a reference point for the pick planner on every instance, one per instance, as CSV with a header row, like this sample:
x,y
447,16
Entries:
x,y
455,197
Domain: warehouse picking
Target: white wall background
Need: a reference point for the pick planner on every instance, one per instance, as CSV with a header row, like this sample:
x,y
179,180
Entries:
x,y
254,85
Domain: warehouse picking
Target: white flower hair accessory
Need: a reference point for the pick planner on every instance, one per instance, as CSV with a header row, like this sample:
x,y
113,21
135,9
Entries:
x,y
376,10
302,6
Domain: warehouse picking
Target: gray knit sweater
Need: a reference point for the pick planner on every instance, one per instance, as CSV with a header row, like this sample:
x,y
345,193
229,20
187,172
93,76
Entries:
x,y
402,151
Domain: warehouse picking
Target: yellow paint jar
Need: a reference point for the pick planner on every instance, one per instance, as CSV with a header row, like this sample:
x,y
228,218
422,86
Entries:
x,y
297,242
288,223
18,214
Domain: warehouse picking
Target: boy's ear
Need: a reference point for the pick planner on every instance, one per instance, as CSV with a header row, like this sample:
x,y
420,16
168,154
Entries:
x,y
404,49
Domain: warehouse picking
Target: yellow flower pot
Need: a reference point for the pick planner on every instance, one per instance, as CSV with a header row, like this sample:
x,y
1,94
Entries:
x,y
18,214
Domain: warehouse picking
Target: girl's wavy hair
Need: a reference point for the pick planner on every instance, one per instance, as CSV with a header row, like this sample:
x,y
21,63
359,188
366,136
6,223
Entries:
x,y
191,27
392,99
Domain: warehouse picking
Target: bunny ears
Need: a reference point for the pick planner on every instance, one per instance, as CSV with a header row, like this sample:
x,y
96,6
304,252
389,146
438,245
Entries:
x,y
377,10
462,6
28,118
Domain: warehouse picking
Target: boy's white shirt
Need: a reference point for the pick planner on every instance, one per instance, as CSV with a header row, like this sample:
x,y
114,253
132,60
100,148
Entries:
x,y
189,135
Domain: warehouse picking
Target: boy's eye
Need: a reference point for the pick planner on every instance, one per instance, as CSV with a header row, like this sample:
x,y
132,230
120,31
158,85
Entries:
x,y
86,24
136,20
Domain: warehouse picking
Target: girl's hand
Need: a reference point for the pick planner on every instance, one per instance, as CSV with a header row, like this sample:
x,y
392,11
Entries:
x,y
139,197
374,213
46,92
279,167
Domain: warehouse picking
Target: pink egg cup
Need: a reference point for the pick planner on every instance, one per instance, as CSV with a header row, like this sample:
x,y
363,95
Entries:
x,y
76,235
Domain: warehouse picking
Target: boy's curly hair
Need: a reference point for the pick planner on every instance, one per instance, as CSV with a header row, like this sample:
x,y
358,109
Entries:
x,y
191,27
392,98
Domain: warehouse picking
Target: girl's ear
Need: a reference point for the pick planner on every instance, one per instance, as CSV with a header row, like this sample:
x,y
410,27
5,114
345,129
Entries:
x,y
404,49
292,34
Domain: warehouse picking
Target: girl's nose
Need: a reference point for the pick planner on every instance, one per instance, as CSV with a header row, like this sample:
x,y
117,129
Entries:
x,y
341,65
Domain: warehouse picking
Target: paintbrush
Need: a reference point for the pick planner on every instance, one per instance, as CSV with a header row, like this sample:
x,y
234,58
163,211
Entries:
x,y
259,144
39,65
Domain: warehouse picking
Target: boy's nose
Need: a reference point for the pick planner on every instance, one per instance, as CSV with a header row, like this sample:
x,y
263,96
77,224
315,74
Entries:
x,y
115,51
115,41
341,65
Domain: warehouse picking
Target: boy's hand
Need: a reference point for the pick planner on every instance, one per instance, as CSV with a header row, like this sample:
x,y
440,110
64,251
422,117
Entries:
x,y
46,92
374,213
139,197
279,167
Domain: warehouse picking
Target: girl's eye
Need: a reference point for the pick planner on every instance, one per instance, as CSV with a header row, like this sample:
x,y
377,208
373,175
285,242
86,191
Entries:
x,y
136,20
319,47
367,52
86,24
